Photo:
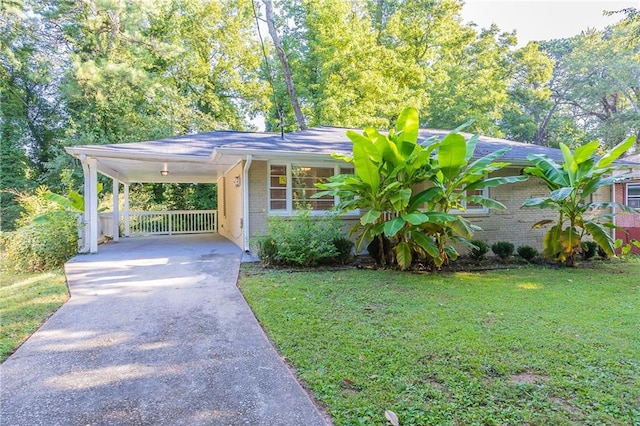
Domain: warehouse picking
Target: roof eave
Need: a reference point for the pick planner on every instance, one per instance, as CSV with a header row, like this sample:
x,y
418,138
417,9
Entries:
x,y
78,152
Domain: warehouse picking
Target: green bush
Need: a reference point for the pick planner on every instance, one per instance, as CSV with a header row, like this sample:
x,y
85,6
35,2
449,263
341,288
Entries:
x,y
303,241
44,245
480,250
528,253
503,249
267,250
589,249
343,246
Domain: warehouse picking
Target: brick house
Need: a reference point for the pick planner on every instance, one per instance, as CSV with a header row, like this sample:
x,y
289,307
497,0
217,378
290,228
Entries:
x,y
264,174
627,192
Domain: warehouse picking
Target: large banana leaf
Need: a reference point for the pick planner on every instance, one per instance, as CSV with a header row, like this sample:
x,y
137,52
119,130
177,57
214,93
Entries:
x,y
366,159
393,226
489,203
552,171
451,155
495,181
615,152
600,236
407,128
425,243
403,255
585,152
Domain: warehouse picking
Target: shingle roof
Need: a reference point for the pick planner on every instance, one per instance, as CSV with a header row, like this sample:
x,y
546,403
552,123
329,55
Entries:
x,y
328,140
319,140
634,159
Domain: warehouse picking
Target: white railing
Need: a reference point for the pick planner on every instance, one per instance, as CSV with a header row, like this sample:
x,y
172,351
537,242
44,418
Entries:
x,y
162,222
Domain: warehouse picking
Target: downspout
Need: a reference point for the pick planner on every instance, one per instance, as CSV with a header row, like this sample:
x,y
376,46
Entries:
x,y
613,210
245,201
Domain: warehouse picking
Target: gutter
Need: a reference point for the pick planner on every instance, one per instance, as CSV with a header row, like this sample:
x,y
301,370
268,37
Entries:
x,y
245,201
148,157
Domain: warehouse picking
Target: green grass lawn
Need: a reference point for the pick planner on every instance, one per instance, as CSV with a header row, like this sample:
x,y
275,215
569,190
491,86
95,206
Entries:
x,y
522,346
26,301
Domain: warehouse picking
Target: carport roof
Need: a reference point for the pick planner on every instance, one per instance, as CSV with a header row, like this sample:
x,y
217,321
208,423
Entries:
x,y
205,156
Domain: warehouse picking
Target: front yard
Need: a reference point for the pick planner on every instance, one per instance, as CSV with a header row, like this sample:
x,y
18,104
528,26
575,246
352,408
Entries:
x,y
519,346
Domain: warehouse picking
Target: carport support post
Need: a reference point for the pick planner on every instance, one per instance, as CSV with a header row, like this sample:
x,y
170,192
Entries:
x,y
126,209
116,210
93,204
90,171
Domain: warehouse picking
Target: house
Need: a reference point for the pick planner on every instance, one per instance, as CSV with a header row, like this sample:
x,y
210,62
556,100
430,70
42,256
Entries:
x,y
264,174
627,192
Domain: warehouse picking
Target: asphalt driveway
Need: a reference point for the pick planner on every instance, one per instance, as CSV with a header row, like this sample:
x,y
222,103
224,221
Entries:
x,y
155,333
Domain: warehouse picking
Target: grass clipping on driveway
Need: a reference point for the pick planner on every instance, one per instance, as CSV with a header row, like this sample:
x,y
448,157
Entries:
x,y
26,301
520,346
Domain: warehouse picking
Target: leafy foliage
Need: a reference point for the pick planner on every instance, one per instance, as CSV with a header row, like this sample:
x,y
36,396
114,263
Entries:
x,y
408,190
503,249
41,246
528,253
571,185
478,249
303,241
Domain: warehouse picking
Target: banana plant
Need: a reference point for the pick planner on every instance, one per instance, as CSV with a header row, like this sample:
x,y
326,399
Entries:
x,y
571,184
410,223
387,168
455,176
72,203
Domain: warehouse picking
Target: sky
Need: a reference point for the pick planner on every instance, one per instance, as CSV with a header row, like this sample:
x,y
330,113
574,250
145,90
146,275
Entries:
x,y
544,19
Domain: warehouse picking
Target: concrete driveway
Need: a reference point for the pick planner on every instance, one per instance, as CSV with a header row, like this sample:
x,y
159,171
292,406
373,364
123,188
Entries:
x,y
155,333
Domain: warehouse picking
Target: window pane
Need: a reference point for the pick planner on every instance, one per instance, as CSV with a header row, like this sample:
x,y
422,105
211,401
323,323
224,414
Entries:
x,y
278,170
278,204
633,196
278,194
304,180
347,171
278,187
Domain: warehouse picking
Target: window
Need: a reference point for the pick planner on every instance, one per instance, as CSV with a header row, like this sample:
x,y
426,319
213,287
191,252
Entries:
x,y
291,187
633,195
474,208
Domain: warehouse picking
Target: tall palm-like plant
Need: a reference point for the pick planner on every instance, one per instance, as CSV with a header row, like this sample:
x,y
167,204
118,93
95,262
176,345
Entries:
x,y
571,185
410,223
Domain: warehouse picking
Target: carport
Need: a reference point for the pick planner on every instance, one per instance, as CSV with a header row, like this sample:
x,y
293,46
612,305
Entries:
x,y
185,159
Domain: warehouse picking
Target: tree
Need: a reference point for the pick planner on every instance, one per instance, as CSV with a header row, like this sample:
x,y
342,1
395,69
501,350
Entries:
x,y
284,62
30,118
571,186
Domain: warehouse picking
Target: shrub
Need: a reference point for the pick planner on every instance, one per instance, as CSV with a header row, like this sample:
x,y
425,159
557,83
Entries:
x,y
40,246
528,253
343,246
503,249
481,248
267,250
303,241
589,249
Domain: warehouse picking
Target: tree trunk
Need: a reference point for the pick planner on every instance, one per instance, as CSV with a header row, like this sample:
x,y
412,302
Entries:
x,y
288,78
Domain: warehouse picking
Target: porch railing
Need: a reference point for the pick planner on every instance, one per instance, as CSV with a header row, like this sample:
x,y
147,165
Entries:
x,y
163,222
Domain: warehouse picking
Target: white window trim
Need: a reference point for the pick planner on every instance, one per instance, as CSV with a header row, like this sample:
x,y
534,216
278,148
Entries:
x,y
475,211
627,186
290,211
